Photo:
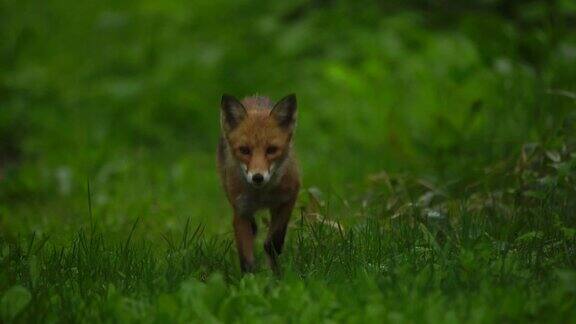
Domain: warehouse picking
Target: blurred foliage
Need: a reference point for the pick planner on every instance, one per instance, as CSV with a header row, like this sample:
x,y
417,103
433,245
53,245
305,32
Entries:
x,y
437,141
125,94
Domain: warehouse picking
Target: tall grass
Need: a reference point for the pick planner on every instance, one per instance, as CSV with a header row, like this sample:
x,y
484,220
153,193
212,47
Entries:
x,y
415,265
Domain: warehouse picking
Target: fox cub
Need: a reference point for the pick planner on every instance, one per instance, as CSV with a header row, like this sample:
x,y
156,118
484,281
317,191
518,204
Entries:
x,y
258,170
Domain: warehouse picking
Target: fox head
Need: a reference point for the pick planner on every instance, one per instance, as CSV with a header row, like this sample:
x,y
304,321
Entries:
x,y
258,134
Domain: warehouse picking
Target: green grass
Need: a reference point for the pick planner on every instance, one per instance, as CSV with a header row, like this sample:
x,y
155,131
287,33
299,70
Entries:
x,y
457,266
436,141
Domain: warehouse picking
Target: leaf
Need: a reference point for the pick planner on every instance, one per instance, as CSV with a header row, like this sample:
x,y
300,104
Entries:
x,y
567,280
34,270
429,237
534,194
569,233
4,253
167,306
528,150
13,302
530,237
554,156
316,197
315,203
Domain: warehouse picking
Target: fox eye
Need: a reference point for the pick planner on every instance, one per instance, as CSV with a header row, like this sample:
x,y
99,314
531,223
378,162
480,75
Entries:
x,y
245,150
271,150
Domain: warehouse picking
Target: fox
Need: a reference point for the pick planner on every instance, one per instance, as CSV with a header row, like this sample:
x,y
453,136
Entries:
x,y
258,170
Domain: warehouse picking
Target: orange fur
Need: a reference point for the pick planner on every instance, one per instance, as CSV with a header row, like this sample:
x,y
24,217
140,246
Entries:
x,y
257,138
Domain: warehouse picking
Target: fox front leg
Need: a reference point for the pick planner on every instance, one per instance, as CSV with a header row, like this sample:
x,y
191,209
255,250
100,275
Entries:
x,y
276,234
244,233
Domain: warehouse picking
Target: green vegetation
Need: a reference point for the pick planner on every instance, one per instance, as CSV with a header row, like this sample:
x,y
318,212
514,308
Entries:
x,y
437,143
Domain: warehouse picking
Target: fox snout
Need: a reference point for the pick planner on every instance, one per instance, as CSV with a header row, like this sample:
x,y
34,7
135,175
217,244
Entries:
x,y
257,177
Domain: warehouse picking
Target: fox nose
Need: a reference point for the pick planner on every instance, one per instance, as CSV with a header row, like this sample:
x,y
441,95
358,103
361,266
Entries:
x,y
258,178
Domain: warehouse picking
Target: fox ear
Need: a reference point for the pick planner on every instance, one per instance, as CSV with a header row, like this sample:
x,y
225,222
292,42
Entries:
x,y
233,111
285,111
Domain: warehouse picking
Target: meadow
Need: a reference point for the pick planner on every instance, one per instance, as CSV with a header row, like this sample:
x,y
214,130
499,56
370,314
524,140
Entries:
x,y
436,140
